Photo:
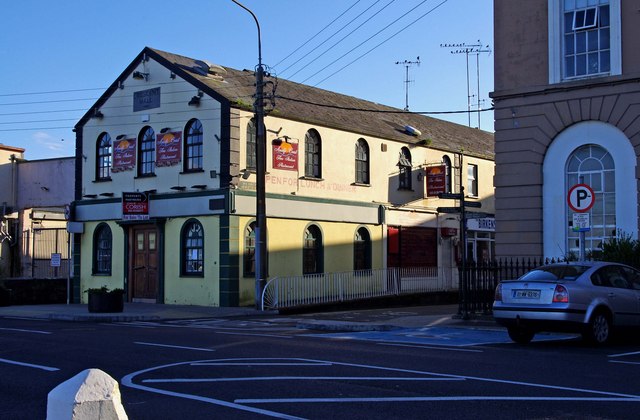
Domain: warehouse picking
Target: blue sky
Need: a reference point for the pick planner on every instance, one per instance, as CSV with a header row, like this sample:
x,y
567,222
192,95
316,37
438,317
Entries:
x,y
58,57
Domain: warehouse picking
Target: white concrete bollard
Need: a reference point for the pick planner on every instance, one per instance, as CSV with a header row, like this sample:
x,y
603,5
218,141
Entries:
x,y
90,395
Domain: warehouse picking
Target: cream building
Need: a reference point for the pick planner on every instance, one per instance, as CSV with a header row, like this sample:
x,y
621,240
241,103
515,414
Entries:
x,y
165,184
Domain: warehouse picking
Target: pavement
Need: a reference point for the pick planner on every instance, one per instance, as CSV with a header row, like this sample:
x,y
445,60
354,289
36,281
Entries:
x,y
379,319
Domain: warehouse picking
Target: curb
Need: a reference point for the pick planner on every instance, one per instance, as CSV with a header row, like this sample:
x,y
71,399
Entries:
x,y
107,318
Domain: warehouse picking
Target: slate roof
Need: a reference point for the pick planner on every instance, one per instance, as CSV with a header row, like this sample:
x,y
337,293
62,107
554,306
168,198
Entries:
x,y
321,107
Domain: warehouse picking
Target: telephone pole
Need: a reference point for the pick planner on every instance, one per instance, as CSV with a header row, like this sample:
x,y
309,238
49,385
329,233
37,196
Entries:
x,y
407,64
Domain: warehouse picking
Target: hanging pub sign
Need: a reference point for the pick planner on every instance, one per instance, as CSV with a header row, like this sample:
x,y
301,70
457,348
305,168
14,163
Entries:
x,y
285,156
168,148
124,155
135,206
436,180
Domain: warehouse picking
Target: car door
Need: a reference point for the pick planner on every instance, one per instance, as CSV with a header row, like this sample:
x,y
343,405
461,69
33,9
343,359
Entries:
x,y
633,277
615,289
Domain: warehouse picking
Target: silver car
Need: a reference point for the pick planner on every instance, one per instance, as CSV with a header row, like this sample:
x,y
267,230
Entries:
x,y
586,297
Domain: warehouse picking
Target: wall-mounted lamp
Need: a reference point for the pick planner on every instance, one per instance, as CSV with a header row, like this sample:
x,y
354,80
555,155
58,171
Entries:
x,y
195,101
140,75
164,130
97,114
90,196
213,173
43,188
199,186
121,136
107,194
172,75
150,191
179,188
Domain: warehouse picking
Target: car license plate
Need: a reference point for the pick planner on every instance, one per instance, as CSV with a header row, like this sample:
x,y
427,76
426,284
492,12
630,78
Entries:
x,y
526,294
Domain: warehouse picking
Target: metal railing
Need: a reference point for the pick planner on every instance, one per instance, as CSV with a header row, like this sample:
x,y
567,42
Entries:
x,y
327,288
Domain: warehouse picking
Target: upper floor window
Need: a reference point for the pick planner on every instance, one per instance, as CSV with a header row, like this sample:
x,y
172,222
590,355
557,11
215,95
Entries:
x,y
584,39
472,180
312,261
103,157
405,169
102,247
448,174
252,146
146,152
362,250
193,146
250,250
312,154
192,245
362,162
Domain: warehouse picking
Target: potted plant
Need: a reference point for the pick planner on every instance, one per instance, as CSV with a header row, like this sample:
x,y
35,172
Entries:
x,y
101,299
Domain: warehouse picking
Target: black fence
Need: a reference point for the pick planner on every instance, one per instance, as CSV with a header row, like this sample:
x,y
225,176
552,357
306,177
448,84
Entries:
x,y
478,281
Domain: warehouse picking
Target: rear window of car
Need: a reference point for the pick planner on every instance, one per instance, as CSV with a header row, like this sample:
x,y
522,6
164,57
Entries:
x,y
555,272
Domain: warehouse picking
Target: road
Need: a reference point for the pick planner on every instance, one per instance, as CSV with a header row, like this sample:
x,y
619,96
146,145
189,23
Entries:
x,y
261,368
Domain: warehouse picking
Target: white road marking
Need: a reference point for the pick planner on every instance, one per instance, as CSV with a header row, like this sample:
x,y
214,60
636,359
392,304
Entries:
x,y
426,399
172,346
28,331
624,362
256,335
417,346
299,378
13,362
27,319
625,354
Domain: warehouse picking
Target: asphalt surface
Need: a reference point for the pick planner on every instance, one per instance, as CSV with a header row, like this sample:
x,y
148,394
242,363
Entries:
x,y
380,319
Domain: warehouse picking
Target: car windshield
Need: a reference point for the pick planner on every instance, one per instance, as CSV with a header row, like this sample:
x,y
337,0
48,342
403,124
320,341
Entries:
x,y
555,272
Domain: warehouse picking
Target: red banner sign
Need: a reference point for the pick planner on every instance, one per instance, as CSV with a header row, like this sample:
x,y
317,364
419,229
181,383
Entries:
x,y
168,149
124,155
436,180
135,206
285,156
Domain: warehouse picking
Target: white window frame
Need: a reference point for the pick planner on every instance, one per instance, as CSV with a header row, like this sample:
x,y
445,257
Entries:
x,y
472,180
556,39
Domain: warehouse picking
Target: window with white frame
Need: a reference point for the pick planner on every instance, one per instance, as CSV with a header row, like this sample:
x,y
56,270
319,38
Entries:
x,y
472,180
584,39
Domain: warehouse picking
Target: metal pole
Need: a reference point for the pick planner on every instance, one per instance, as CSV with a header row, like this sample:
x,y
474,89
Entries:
x,y
478,77
261,161
468,93
463,233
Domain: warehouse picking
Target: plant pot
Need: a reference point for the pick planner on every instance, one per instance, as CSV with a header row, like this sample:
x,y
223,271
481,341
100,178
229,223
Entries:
x,y
106,302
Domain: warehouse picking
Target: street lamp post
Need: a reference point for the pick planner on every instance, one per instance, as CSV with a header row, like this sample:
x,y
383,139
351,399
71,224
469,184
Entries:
x,y
261,254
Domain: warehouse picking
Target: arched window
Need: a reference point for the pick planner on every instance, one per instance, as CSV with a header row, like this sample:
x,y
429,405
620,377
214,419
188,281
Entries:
x,y
312,258
404,163
103,157
593,165
193,146
362,162
362,250
192,246
449,175
249,259
252,146
312,153
102,248
146,152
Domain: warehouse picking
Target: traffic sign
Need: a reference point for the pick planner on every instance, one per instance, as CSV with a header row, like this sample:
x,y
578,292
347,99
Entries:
x,y
450,196
448,209
581,222
581,198
475,204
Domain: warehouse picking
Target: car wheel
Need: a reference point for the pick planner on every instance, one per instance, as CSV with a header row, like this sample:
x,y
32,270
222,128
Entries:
x,y
520,335
599,329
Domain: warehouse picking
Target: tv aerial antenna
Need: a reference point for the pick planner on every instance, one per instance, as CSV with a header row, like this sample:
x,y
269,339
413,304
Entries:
x,y
476,49
407,64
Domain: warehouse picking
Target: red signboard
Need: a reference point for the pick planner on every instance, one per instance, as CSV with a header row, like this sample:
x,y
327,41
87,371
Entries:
x,y
436,180
168,148
285,156
124,155
135,206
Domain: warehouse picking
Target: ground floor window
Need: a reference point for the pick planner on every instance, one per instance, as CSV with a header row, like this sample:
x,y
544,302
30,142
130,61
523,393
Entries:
x,y
481,246
312,251
362,250
192,248
102,247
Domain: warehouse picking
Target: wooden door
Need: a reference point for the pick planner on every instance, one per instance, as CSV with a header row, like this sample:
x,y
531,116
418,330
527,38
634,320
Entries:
x,y
145,265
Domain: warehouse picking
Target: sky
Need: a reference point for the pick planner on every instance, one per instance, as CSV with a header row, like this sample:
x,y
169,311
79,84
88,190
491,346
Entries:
x,y
57,58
